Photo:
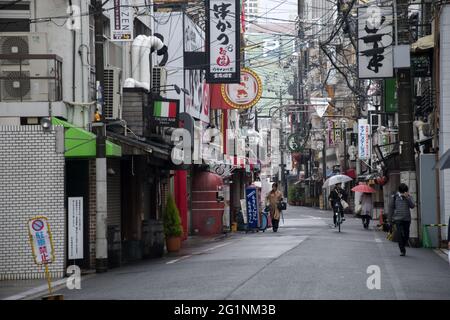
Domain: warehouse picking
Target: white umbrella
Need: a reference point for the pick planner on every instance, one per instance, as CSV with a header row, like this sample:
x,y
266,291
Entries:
x,y
339,178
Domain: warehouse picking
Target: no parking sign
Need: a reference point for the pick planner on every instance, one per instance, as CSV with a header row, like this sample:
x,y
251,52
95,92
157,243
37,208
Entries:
x,y
41,240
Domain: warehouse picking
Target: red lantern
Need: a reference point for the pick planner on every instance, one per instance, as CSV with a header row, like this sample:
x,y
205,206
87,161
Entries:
x,y
381,180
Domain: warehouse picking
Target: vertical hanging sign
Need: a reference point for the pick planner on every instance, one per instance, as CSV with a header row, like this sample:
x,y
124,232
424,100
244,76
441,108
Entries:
x,y
363,139
121,22
223,41
375,34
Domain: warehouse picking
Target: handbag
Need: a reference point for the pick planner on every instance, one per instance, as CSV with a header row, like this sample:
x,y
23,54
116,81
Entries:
x,y
344,204
282,205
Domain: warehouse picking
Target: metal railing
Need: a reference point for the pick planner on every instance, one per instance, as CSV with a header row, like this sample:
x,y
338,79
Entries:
x,y
30,77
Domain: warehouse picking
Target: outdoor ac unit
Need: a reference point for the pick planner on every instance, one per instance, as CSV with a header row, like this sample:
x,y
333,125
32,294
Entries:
x,y
112,93
159,79
18,86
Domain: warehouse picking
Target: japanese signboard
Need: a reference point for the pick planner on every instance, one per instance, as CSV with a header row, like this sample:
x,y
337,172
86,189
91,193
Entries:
x,y
252,207
375,34
75,226
164,112
222,41
41,240
363,140
197,102
245,94
121,22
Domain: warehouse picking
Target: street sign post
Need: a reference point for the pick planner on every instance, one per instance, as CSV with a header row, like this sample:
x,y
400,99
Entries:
x,y
41,244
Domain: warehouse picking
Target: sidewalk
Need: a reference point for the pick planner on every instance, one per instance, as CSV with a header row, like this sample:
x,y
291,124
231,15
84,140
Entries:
x,y
33,289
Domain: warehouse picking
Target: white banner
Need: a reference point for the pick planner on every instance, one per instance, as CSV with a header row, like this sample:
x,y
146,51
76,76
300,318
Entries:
x,y
75,227
121,21
363,140
375,42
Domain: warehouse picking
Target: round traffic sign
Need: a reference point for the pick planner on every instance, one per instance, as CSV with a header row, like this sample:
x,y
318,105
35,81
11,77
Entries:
x,y
37,225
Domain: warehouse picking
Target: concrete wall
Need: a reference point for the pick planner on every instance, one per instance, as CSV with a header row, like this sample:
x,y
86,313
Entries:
x,y
444,139
31,184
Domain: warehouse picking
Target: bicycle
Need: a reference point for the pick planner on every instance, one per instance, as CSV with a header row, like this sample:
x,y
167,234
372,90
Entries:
x,y
337,211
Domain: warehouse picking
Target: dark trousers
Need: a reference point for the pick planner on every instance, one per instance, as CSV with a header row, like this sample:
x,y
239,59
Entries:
x,y
366,219
402,234
275,224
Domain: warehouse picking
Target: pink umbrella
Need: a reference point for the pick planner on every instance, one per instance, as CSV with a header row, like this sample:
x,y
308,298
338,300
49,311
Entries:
x,y
364,188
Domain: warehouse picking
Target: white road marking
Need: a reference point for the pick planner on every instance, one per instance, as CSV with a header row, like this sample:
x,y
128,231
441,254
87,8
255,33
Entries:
x,y
218,246
176,260
198,253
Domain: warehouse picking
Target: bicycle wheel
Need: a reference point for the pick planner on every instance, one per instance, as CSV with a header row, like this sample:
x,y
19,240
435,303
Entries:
x,y
263,225
339,219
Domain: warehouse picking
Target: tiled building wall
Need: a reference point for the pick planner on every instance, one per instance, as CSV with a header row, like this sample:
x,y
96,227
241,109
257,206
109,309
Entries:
x,y
31,184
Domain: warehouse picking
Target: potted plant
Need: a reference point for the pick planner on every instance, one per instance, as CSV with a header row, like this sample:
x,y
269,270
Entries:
x,y
291,195
172,226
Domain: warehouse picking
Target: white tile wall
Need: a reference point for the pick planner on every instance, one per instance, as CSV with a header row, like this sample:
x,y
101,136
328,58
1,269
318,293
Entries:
x,y
31,183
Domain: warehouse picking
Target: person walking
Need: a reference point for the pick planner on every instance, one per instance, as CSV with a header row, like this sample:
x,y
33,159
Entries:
x,y
274,197
366,209
400,215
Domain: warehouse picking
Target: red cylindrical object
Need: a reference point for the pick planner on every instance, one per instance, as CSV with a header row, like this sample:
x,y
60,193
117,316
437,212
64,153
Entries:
x,y
207,212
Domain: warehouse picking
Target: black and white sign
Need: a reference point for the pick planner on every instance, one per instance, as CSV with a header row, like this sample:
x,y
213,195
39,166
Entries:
x,y
75,205
222,41
375,42
121,21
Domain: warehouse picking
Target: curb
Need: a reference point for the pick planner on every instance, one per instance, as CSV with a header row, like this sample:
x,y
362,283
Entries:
x,y
442,253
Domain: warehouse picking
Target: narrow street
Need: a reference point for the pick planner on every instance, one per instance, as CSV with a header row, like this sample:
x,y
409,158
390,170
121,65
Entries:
x,y
306,259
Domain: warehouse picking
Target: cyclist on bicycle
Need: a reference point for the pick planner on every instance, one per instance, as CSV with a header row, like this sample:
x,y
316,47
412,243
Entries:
x,y
335,197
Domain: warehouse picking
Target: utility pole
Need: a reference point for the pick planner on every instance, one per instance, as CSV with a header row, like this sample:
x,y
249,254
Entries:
x,y
405,114
300,95
283,180
101,245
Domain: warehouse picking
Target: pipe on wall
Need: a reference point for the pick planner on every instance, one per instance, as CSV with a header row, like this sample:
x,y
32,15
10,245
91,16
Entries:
x,y
141,49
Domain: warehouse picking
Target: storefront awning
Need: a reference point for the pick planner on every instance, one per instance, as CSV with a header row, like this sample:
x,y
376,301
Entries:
x,y
80,143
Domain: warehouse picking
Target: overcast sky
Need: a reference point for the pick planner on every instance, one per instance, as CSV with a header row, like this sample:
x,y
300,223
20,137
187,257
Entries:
x,y
279,9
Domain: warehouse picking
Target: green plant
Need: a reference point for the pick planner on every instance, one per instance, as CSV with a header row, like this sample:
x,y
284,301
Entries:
x,y
291,193
172,221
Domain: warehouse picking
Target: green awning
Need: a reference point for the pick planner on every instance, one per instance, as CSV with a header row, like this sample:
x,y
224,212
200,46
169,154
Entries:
x,y
80,143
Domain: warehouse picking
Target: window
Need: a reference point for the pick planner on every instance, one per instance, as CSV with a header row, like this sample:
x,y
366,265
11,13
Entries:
x,y
141,28
15,17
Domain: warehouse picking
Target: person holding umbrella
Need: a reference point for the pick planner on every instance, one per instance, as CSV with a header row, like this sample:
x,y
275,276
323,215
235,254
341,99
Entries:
x,y
366,203
366,209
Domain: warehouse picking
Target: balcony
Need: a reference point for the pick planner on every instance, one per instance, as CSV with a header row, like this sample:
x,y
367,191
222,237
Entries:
x,y
31,85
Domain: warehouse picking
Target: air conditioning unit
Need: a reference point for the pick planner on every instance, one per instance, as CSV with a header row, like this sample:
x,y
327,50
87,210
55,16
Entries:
x,y
159,79
16,84
111,93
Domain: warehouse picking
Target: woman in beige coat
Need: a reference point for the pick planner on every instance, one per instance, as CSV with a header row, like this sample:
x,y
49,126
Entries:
x,y
273,198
